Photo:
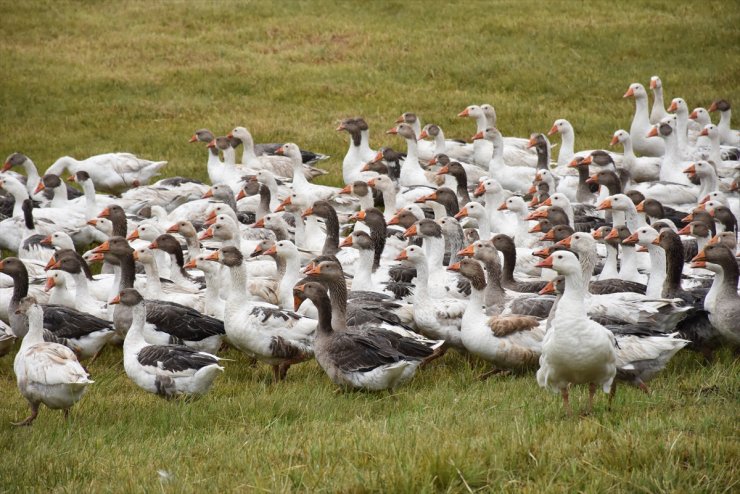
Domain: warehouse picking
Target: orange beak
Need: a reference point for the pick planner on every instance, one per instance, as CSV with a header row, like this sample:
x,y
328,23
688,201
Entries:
x,y
116,300
423,134
673,107
39,188
706,198
631,240
532,142
532,190
272,251
399,119
537,177
468,251
46,240
307,212
209,193
433,161
548,289
565,242
614,141
713,107
536,228
445,169
477,136
548,202
693,115
211,144
547,263
281,206
314,271
297,301
50,283
462,214
691,169
104,247
402,256
153,245
454,267
430,197
174,228
394,221
211,220
410,232
464,113
640,207
378,156
503,206
359,216
573,164
394,131
612,234
534,215
688,219
704,132
653,132
653,84
260,223
95,257
241,195
340,127
206,234
630,92
371,182
346,190
593,179
280,151
133,236
550,235
347,242
552,130
193,139
656,241
605,204
480,190
588,160
542,252
6,166
685,230
190,264
51,263
214,256
104,213
71,179
700,257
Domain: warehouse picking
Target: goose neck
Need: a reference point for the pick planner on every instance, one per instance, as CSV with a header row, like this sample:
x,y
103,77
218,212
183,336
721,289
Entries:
x,y
35,332
338,294
657,271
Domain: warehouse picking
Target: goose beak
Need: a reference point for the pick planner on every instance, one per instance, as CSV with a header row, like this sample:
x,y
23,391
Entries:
x,y
605,204
307,212
395,220
174,228
116,300
532,190
542,252
400,119
468,251
631,240
193,139
464,113
630,92
403,256
548,289
640,207
480,190
210,221
346,190
503,207
394,131
154,245
433,161
378,157
212,144
104,213
281,206
347,242
190,264
704,132
656,241
454,267
713,106
423,135
673,107
6,166
94,257
213,256
690,170
654,84
688,218
714,240
612,234
547,263
537,177
280,151
50,283
133,235
206,234
462,214
410,232
686,230
532,142
705,199
272,251
136,255
477,136
534,215
297,301
71,179
102,248
260,223
366,167
241,195
49,264
314,271
550,235
442,171
614,141
700,257
57,265
340,127
209,193
358,216
371,182
553,130
593,179
653,132
565,242
536,228
257,251
573,164
588,160
548,202
39,188
46,240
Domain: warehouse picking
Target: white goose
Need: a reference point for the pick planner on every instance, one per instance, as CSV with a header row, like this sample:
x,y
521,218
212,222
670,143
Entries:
x,y
111,172
300,184
728,135
641,169
47,373
642,143
657,112
514,178
411,171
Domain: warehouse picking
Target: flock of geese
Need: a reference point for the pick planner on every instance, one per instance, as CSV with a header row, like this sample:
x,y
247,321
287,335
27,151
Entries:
x,y
591,267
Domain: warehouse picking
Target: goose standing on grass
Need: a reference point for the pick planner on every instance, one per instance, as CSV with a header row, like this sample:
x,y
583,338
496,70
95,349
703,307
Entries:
x,y
278,337
47,373
641,143
722,302
361,358
575,350
165,370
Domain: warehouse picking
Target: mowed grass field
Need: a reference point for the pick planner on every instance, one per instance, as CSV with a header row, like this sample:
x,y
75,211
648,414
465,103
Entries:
x,y
80,78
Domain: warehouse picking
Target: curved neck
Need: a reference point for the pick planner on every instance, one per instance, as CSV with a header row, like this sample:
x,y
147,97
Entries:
x,y
249,157
709,183
494,295
81,287
507,276
128,272
63,163
326,315
440,146
588,263
287,282
238,292
421,294
641,118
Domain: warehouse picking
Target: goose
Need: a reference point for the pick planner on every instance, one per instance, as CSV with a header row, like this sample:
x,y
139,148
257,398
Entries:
x,y
576,350
278,165
494,195
518,207
213,304
275,336
300,184
7,339
641,142
506,246
641,169
32,175
165,370
732,203
326,211
542,147
516,179
436,318
460,176
443,202
654,211
112,172
387,161
361,358
567,146
628,268
427,149
700,233
82,300
724,168
728,135
508,342
722,302
217,172
168,244
584,194
516,153
363,277
47,373
359,151
155,289
610,270
56,285
189,233
681,110
411,171
288,252
456,150
657,112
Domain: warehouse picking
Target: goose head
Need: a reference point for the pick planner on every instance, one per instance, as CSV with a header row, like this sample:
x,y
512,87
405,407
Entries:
x,y
678,105
242,134
313,291
103,225
284,249
490,112
383,183
472,111
636,90
358,240
713,257
61,240
292,151
701,116
404,218
326,270
474,210
15,159
429,130
721,105
55,279
711,131
619,202
620,136
561,126
129,297
404,130
491,134
49,181
655,83
514,203
228,256
414,254
562,261
184,228
488,186
472,270
68,263
202,135
144,255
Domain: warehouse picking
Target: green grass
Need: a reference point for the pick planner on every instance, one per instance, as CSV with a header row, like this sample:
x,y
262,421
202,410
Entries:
x,y
81,78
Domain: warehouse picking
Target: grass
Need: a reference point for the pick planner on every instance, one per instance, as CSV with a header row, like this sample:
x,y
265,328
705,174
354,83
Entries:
x,y
85,78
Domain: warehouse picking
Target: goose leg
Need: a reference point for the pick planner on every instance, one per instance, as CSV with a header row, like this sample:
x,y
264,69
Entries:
x,y
439,352
284,371
276,373
66,414
612,393
566,403
644,387
591,393
493,372
31,418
